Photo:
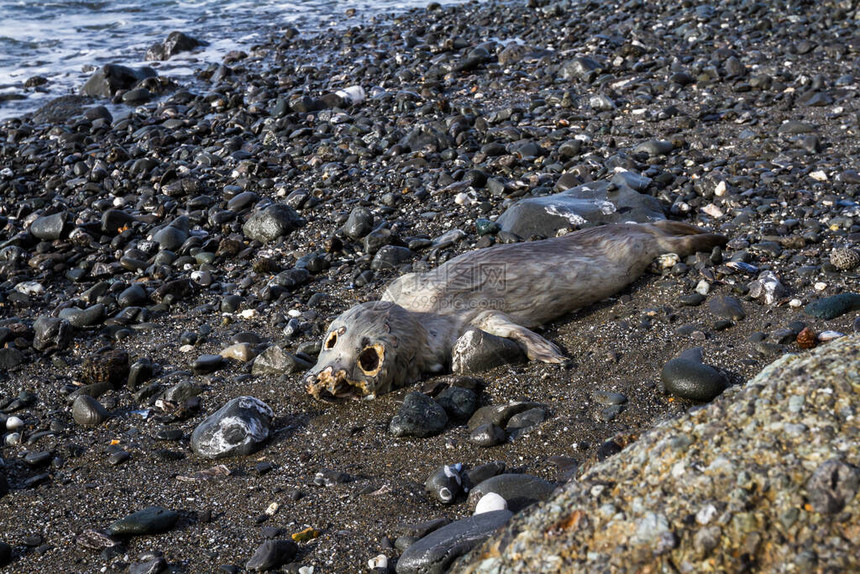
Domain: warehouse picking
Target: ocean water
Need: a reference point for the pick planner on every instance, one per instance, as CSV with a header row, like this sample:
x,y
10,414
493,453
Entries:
x,y
62,40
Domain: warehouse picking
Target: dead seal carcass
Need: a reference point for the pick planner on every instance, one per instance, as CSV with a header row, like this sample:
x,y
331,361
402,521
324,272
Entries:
x,y
504,290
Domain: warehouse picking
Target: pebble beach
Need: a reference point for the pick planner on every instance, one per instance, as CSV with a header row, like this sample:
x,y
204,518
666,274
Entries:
x,y
173,249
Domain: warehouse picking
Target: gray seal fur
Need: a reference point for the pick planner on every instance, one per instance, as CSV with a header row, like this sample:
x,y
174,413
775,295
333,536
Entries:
x,y
505,290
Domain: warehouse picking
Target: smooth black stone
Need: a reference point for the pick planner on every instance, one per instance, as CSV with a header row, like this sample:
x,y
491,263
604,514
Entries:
x,y
151,520
271,554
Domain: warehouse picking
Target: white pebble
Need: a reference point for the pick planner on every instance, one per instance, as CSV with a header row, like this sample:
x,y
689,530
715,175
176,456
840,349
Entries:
x,y
826,336
272,509
490,502
14,423
306,570
818,176
186,348
713,211
720,190
294,313
703,287
247,313
13,439
795,303
820,286
380,561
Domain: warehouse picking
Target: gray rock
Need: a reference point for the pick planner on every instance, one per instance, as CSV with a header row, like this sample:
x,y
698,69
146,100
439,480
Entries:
x,y
654,148
80,318
582,68
88,412
49,227
175,43
832,486
272,222
459,403
833,307
51,334
426,137
358,224
708,464
608,398
275,361
434,553
586,205
271,554
237,428
205,364
487,435
522,423
170,238
519,490
499,414
110,78
688,378
132,296
419,416
61,109
727,307
391,257
151,520
10,358
477,351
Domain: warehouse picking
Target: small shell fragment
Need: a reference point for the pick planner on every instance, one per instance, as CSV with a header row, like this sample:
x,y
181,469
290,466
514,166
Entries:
x,y
272,509
308,533
806,339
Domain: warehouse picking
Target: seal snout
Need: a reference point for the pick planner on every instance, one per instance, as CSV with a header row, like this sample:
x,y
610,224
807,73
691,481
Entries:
x,y
331,385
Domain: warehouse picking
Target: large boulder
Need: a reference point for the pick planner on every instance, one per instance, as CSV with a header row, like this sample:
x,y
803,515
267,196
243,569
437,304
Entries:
x,y
587,205
110,78
764,478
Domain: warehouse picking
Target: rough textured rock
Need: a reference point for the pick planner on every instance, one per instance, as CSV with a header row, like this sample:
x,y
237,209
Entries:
x,y
764,476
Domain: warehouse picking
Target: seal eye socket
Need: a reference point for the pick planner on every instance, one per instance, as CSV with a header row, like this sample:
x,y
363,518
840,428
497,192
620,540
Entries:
x,y
370,360
331,341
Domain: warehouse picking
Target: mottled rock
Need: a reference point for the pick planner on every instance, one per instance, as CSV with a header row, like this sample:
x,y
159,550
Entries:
x,y
586,205
727,307
708,462
272,222
418,416
49,227
477,351
237,428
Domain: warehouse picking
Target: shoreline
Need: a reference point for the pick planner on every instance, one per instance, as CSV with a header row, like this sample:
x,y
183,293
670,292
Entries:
x,y
142,246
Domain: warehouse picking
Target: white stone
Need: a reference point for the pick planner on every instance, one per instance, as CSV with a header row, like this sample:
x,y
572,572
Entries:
x,y
490,502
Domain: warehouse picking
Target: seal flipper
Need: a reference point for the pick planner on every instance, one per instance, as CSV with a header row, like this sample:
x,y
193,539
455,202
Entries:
x,y
536,347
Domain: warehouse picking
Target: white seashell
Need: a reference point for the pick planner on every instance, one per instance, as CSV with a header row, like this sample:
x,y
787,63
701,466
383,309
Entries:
x,y
826,336
380,562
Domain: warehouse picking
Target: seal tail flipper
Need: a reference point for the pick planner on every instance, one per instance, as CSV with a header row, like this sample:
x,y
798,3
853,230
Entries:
x,y
536,347
685,239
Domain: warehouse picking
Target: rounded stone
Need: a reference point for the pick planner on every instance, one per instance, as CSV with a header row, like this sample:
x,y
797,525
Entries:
x,y
688,378
237,428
